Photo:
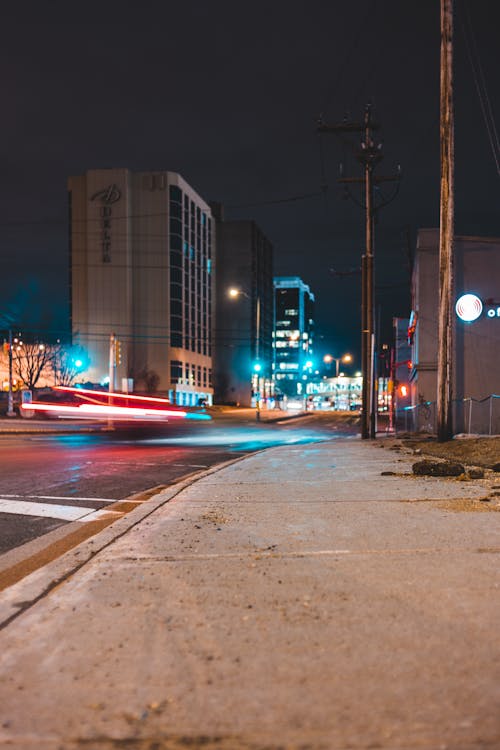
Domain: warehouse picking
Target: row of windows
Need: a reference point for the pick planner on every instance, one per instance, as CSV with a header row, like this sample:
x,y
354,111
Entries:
x,y
188,221
191,343
286,344
290,334
183,373
177,226
190,287
189,335
191,251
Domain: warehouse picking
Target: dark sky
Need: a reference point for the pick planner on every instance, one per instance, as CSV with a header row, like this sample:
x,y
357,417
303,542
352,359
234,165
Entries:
x,y
229,94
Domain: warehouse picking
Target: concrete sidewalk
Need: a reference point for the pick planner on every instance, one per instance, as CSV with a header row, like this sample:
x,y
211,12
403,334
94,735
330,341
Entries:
x,y
299,598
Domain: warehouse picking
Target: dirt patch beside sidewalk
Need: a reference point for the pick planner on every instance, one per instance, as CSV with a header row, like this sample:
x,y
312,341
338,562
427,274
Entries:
x,y
472,451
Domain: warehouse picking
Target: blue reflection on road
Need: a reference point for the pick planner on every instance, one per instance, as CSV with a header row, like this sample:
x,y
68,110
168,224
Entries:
x,y
239,439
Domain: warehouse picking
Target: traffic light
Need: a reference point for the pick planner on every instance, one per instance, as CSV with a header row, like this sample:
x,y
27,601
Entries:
x,y
403,390
257,367
118,352
6,347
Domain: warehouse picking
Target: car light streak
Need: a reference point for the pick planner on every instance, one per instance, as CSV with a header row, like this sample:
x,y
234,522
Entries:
x,y
82,392
105,411
103,405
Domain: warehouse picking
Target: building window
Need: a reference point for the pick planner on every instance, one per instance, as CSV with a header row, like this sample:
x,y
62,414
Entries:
x,y
175,371
175,210
175,226
176,276
176,307
176,194
175,259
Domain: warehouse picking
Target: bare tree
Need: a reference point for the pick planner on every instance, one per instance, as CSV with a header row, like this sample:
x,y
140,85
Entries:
x,y
66,363
30,361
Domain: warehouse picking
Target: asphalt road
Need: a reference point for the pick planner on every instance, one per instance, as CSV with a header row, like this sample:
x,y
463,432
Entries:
x,y
48,479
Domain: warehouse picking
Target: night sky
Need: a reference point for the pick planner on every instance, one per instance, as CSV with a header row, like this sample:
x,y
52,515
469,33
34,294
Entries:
x,y
229,95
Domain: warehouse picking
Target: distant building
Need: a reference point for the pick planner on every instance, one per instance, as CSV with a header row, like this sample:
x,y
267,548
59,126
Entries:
x,y
244,322
342,393
476,332
141,255
293,335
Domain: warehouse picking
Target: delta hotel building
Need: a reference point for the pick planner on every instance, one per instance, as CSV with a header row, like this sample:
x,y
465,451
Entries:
x,y
141,268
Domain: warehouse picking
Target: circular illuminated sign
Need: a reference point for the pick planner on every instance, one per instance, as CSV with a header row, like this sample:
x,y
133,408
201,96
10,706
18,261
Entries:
x,y
469,307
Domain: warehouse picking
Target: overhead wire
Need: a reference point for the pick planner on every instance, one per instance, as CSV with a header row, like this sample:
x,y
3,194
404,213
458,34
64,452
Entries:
x,y
480,84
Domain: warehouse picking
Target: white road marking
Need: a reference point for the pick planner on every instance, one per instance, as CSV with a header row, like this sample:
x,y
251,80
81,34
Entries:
x,y
62,497
46,510
192,466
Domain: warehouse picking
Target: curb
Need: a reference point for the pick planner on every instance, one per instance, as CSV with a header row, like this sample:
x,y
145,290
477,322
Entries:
x,y
27,591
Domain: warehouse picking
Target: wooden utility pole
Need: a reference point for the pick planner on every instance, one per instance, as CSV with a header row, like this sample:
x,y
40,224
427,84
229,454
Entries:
x,y
369,154
445,329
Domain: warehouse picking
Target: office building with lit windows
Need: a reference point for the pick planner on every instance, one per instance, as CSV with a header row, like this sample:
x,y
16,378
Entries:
x,y
243,356
141,259
293,335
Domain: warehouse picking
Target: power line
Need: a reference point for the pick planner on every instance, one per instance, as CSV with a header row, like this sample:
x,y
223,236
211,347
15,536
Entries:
x,y
290,199
481,88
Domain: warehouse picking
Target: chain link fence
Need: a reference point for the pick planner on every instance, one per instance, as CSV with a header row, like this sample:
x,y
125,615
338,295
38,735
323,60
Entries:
x,y
470,416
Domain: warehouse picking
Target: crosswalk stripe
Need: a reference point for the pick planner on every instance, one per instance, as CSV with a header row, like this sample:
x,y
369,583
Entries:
x,y
62,497
49,510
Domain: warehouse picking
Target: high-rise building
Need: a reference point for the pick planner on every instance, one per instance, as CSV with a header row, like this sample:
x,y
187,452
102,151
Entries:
x,y
244,321
293,335
141,257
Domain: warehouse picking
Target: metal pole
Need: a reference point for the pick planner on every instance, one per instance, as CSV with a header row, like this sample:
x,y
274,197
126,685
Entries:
x,y
10,397
491,412
112,364
365,391
257,353
111,386
257,327
374,393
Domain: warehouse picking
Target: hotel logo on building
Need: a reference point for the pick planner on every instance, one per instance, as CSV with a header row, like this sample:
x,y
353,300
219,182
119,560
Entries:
x,y
106,197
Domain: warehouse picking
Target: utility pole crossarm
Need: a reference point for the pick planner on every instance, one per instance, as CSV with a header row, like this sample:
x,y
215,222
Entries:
x,y
345,127
376,180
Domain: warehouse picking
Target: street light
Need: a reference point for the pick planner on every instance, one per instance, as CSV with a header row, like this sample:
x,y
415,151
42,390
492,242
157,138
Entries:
x,y
345,358
234,293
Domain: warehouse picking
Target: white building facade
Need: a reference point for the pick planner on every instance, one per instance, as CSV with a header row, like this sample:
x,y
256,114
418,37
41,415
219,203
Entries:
x,y
142,248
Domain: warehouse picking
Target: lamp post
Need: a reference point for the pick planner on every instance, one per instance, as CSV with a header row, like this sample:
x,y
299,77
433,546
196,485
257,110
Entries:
x,y
345,358
234,293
